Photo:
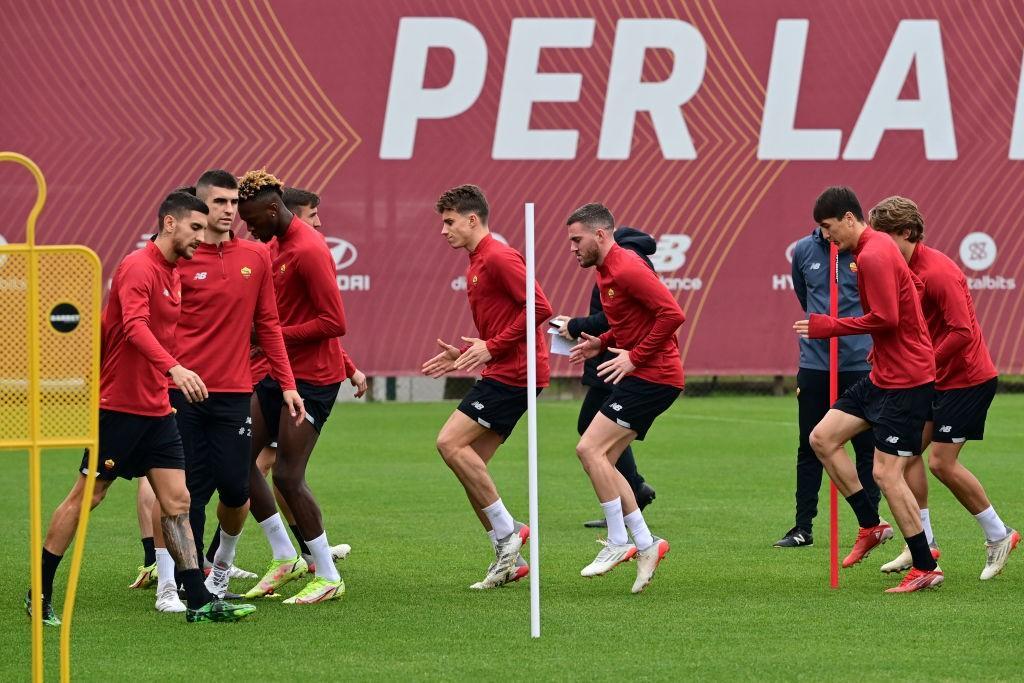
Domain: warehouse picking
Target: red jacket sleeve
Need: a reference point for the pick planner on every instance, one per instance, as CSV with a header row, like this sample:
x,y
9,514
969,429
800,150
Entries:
x,y
512,272
135,291
946,293
646,288
322,289
350,367
268,329
881,295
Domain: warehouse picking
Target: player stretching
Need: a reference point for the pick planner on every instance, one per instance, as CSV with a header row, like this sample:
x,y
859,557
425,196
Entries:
x,y
496,285
138,433
647,374
312,319
965,383
893,400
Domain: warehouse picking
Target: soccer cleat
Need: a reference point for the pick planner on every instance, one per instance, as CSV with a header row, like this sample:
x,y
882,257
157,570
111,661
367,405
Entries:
x,y
340,551
647,561
167,599
492,580
596,524
904,561
146,577
795,538
997,552
218,610
867,540
918,579
506,550
318,590
49,617
239,573
217,580
608,557
278,574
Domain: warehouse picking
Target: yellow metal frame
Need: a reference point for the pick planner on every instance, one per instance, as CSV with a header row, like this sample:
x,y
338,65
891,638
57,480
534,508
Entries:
x,y
37,442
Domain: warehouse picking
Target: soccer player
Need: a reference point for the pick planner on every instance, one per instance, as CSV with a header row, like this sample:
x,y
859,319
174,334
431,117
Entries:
x,y
893,400
811,285
496,286
138,433
227,296
596,323
312,319
965,383
646,374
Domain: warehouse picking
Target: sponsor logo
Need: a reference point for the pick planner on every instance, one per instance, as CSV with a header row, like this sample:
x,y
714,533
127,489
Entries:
x,y
946,429
615,406
64,318
246,272
892,439
199,276
978,252
478,405
815,266
345,255
669,257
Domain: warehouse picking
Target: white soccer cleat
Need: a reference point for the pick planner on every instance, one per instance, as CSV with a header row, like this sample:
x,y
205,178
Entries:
x,y
167,599
217,580
608,558
998,552
493,581
239,573
905,560
647,561
340,551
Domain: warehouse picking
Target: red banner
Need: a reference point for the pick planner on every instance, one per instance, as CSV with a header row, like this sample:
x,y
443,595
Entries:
x,y
712,125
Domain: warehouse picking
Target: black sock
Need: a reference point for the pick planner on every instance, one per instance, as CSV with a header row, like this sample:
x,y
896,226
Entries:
x,y
303,548
148,551
867,514
921,553
195,590
50,562
214,544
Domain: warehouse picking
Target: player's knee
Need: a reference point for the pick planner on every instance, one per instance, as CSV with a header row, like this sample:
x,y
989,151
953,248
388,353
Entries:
x,y
820,443
447,447
236,495
288,481
885,477
941,467
587,454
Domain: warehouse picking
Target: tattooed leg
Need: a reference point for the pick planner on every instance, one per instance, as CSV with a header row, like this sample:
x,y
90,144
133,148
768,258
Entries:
x,y
169,486
179,541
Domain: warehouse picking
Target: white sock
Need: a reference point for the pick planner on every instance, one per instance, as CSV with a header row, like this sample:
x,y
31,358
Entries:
x,y
321,551
226,550
638,528
277,535
990,523
494,538
926,522
501,520
616,527
164,568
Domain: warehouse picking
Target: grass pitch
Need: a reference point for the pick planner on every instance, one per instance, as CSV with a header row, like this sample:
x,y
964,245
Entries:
x,y
724,605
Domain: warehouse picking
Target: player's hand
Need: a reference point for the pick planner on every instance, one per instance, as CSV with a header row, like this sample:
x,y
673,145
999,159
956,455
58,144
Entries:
x,y
190,384
443,362
802,327
358,380
563,323
475,356
255,352
615,369
588,348
293,402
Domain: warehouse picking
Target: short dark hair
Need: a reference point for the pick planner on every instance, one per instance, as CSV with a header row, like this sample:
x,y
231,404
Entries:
x,y
464,199
217,177
835,202
179,204
295,197
187,189
593,215
896,214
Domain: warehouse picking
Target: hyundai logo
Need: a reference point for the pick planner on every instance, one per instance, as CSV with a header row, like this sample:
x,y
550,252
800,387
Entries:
x,y
344,253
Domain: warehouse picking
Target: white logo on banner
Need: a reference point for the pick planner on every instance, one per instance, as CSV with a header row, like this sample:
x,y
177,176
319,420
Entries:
x,y
669,257
345,254
978,251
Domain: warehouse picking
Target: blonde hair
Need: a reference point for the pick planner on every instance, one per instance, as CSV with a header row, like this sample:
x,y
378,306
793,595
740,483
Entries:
x,y
256,182
896,214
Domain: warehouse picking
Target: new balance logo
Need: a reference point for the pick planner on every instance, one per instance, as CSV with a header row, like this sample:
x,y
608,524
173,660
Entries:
x,y
815,266
946,429
799,538
616,407
166,292
478,405
200,276
892,439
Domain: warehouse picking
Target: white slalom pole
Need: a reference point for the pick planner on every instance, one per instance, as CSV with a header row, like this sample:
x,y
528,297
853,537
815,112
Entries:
x,y
531,422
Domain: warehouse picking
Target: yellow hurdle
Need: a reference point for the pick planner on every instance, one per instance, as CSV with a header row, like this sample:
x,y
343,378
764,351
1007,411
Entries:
x,y
49,381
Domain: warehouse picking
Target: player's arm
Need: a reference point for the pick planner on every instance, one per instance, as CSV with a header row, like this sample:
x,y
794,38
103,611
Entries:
x,y
956,317
267,327
322,290
799,283
881,291
651,293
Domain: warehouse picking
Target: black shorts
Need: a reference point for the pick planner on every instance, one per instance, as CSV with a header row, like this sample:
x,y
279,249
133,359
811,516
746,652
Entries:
x,y
131,445
634,403
897,416
495,405
216,435
317,399
959,414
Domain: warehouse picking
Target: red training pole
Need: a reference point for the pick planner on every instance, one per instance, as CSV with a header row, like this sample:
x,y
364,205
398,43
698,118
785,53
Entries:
x,y
833,396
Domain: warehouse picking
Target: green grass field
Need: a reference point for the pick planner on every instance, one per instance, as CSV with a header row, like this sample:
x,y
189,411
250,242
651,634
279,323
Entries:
x,y
724,605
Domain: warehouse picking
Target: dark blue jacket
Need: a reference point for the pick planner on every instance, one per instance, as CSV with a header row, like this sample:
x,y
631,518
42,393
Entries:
x,y
810,282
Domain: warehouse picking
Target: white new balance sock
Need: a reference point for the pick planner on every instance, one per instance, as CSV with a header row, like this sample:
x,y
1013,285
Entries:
x,y
321,551
277,535
501,520
991,524
164,568
226,550
638,528
616,526
494,538
926,522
